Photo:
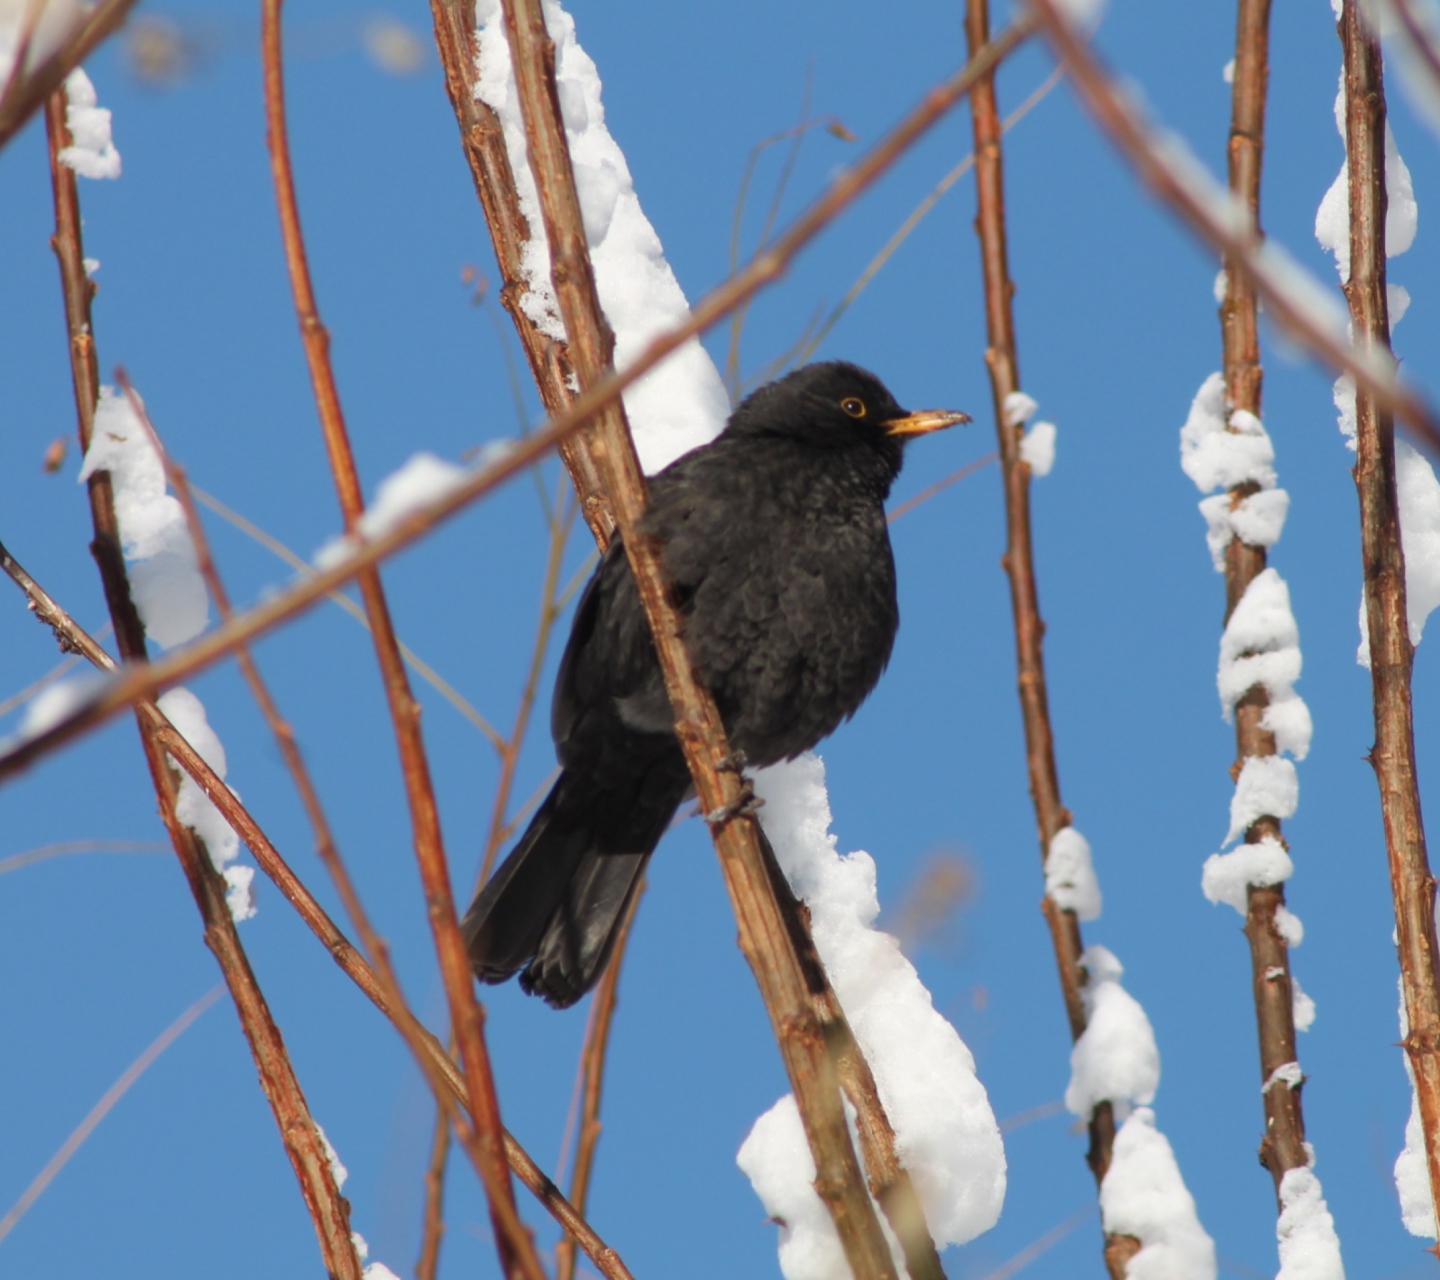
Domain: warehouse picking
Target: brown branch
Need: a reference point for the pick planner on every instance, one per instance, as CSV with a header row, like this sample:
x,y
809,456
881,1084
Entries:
x,y
433,1223
592,1071
760,273
28,90
435,1062
1002,360
483,139
299,1134
513,1241
1291,297
1391,653
1283,1146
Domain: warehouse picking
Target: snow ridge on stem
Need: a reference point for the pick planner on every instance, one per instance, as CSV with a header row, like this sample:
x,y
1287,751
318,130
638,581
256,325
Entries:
x,y
945,1131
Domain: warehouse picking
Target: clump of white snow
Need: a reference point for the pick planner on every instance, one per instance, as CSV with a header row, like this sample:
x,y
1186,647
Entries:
x,y
165,579
56,701
54,23
1070,878
1261,646
1037,448
1268,786
1215,457
1302,1007
1257,519
1412,1171
681,403
1019,409
1287,1073
945,1130
194,808
1144,1196
1116,1059
1227,875
1309,1247
91,152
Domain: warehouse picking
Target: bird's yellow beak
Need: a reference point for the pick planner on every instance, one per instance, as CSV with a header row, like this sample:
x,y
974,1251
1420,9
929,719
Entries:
x,y
924,422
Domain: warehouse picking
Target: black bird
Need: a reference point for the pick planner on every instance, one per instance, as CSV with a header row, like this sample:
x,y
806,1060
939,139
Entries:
x,y
774,541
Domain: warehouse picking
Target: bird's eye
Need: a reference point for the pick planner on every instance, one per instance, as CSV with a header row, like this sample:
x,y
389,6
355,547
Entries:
x,y
855,408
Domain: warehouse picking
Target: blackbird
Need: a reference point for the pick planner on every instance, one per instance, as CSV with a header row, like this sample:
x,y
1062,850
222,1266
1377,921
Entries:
x,y
774,543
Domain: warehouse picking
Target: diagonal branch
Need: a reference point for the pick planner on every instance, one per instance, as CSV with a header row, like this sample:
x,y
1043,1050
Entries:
x,y
1002,360
1291,296
759,274
299,1134
438,1066
1392,655
513,1240
1283,1146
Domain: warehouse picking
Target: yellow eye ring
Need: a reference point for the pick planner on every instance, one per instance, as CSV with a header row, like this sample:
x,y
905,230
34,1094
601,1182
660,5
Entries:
x,y
854,407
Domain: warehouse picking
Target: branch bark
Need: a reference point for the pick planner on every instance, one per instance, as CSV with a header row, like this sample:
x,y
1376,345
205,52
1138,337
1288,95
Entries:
x,y
1002,360
1391,653
299,1134
1283,1146
513,1241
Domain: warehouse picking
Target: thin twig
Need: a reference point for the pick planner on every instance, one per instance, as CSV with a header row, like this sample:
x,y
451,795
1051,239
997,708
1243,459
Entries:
x,y
1392,655
592,1072
1291,296
433,1222
807,347
925,494
1002,360
45,851
513,1240
101,1109
437,1065
1282,1147
299,1134
760,273
303,567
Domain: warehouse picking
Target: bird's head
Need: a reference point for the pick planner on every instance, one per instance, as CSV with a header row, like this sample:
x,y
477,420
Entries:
x,y
836,405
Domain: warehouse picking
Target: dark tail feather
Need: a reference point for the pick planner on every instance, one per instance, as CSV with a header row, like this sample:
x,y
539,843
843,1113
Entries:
x,y
555,905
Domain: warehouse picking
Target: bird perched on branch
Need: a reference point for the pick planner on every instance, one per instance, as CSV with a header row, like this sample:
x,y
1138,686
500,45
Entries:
x,y
774,542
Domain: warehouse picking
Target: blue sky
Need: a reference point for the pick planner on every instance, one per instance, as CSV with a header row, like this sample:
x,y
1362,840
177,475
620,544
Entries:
x,y
1117,330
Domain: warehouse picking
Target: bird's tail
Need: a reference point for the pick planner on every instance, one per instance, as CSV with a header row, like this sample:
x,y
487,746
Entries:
x,y
554,907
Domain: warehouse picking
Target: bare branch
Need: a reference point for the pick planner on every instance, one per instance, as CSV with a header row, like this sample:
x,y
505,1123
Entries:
x,y
1392,655
513,1240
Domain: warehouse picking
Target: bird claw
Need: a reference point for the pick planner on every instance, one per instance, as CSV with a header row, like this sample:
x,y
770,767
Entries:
x,y
743,807
735,762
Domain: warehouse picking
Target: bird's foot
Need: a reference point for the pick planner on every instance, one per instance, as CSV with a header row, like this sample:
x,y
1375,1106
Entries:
x,y
735,762
741,807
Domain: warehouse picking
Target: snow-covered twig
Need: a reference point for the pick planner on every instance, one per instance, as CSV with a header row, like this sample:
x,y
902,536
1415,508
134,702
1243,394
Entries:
x,y
1391,651
1001,358
438,1066
419,521
299,1135
1244,558
1292,297
514,1242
